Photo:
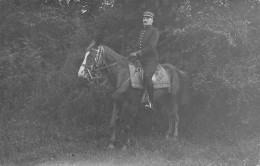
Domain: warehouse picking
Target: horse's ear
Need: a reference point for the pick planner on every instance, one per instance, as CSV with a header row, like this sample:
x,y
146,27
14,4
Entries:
x,y
99,38
93,43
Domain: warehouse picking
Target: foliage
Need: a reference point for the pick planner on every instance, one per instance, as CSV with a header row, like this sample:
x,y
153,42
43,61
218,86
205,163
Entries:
x,y
218,46
42,45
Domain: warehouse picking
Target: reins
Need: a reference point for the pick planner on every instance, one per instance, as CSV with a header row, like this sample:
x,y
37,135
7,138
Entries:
x,y
107,66
126,80
103,83
110,65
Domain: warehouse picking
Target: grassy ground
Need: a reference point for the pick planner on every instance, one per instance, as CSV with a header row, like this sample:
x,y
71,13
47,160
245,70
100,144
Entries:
x,y
35,145
146,150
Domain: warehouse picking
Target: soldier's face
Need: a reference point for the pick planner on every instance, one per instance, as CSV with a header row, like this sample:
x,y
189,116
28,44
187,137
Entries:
x,y
147,21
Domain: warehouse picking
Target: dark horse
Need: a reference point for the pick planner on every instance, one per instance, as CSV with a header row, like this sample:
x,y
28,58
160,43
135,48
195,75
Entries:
x,y
127,98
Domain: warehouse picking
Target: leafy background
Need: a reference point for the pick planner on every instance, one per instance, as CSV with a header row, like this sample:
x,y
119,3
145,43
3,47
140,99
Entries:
x,y
44,103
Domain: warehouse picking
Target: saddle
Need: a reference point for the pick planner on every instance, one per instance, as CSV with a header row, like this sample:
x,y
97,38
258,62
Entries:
x,y
160,78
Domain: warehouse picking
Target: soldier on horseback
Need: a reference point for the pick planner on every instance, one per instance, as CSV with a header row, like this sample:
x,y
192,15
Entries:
x,y
147,53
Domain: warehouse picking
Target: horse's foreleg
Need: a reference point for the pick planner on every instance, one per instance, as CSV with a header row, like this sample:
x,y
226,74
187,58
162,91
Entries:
x,y
113,126
127,118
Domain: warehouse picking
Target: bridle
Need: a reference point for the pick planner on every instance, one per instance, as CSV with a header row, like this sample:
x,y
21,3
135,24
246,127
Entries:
x,y
99,57
99,64
95,69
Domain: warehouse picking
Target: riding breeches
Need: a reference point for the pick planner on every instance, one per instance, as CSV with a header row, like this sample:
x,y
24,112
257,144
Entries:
x,y
149,70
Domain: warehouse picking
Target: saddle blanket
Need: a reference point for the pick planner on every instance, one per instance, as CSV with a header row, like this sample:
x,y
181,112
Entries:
x,y
160,78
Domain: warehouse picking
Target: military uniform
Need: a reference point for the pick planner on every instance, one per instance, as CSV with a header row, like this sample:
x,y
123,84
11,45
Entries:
x,y
148,40
148,55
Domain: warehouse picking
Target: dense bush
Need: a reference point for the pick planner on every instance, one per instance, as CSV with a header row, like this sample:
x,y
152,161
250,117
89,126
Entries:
x,y
42,45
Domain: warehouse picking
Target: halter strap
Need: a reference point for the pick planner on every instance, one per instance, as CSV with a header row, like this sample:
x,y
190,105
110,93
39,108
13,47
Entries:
x,y
100,56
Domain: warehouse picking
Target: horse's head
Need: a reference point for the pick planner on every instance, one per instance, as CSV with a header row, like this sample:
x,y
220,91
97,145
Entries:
x,y
96,57
93,61
100,60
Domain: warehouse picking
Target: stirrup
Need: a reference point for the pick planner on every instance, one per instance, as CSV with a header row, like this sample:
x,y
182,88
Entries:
x,y
149,105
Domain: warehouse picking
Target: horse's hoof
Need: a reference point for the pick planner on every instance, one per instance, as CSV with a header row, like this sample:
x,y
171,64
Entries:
x,y
115,95
175,138
124,148
111,146
168,138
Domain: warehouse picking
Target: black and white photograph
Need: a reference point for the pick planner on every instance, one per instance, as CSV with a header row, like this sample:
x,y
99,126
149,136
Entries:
x,y
129,82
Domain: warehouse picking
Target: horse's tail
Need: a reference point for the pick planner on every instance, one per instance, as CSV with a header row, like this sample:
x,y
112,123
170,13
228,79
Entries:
x,y
185,86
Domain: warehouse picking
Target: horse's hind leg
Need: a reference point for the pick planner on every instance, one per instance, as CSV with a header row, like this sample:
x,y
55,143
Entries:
x,y
171,109
167,108
126,137
170,127
176,119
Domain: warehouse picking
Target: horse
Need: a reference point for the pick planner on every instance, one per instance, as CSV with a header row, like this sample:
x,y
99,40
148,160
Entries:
x,y
126,98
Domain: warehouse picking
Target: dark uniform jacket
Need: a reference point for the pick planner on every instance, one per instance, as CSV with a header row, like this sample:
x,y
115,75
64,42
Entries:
x,y
148,40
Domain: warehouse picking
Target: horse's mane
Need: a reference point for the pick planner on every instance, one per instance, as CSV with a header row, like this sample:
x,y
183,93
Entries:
x,y
117,57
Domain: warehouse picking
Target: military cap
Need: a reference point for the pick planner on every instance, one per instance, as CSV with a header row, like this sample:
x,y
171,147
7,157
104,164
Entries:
x,y
148,14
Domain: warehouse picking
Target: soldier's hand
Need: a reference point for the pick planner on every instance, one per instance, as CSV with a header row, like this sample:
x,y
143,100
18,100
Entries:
x,y
133,54
131,58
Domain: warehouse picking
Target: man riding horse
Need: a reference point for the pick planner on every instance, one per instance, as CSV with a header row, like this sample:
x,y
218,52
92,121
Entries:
x,y
126,97
147,53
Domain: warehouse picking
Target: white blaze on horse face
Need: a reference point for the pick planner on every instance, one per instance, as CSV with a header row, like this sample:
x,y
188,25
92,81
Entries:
x,y
99,56
82,72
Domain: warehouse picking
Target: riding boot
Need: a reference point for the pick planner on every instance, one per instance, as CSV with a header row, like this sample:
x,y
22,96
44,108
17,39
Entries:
x,y
150,103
